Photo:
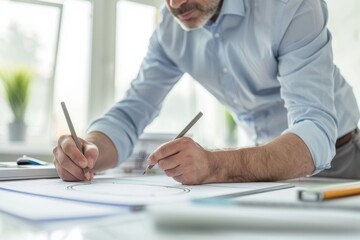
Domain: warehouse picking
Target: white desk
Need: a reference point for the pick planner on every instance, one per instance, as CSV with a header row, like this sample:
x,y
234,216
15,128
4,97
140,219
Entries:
x,y
328,224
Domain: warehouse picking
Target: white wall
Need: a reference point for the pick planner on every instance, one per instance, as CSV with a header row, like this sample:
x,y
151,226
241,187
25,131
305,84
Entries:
x,y
344,24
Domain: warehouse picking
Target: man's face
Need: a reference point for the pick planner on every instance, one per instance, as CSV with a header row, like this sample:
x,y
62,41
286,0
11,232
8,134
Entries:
x,y
193,14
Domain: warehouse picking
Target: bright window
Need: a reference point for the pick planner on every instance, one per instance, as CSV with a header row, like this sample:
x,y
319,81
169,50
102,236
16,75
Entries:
x,y
53,39
28,36
72,77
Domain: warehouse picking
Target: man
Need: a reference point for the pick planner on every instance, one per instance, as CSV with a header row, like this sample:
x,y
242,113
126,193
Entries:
x,y
270,62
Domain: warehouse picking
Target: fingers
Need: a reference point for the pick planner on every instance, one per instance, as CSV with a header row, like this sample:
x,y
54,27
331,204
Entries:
x,y
174,172
70,161
66,175
169,149
183,174
174,169
68,146
182,159
169,162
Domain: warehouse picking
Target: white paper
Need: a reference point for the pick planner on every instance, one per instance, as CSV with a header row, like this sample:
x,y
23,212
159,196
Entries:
x,y
35,208
134,190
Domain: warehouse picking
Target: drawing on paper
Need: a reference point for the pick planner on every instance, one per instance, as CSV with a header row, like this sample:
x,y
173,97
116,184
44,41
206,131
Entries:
x,y
128,189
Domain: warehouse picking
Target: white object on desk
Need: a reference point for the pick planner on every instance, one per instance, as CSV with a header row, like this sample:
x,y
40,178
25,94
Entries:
x,y
11,171
288,198
255,216
189,216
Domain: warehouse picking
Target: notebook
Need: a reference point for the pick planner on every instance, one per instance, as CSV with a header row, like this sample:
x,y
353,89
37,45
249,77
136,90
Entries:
x,y
11,171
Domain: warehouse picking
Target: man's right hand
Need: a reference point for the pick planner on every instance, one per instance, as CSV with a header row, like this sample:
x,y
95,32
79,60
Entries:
x,y
69,161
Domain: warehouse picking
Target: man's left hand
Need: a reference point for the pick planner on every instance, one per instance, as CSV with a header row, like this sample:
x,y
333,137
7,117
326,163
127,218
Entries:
x,y
184,160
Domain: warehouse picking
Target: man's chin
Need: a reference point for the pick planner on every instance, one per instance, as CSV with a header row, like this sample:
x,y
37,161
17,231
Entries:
x,y
190,28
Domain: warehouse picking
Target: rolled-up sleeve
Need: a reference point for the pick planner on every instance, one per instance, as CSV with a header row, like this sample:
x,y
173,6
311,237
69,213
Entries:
x,y
305,74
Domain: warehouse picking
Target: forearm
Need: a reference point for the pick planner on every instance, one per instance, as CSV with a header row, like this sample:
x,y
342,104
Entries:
x,y
285,157
107,151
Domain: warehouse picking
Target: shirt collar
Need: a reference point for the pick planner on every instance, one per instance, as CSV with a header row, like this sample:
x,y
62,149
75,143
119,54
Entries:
x,y
234,7
229,7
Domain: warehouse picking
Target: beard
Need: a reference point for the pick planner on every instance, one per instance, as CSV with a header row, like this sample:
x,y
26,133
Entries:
x,y
206,12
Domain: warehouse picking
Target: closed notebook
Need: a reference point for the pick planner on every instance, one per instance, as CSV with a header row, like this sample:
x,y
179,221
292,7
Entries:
x,y
10,171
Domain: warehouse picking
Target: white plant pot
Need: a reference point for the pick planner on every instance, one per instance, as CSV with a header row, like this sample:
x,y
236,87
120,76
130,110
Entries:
x,y
17,131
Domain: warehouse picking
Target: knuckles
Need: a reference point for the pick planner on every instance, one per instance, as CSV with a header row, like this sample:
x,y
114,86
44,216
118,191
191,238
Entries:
x,y
186,142
67,145
62,138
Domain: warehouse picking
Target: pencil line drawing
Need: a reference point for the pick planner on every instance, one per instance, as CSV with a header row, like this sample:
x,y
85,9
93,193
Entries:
x,y
127,189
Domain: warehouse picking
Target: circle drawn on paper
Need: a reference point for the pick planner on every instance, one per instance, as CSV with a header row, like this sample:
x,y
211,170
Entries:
x,y
128,189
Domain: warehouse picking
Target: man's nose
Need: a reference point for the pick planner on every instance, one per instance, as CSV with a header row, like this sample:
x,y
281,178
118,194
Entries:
x,y
177,3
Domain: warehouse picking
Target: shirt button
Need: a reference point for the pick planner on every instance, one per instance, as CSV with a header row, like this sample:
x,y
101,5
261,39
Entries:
x,y
225,70
217,35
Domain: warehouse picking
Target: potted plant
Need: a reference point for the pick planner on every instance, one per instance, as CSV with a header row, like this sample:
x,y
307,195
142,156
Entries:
x,y
16,83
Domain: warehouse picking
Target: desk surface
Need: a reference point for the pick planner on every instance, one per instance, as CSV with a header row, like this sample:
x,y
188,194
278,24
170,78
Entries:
x,y
328,224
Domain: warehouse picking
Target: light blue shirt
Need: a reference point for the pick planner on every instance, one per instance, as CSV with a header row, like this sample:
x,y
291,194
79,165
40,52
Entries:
x,y
270,62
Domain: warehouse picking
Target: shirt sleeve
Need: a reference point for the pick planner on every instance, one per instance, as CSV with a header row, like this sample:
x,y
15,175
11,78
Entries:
x,y
126,120
305,73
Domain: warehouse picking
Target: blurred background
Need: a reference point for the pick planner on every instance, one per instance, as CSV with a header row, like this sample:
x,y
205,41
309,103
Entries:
x,y
86,52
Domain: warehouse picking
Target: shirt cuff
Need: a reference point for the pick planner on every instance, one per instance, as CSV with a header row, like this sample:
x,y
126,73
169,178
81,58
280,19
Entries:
x,y
321,147
119,137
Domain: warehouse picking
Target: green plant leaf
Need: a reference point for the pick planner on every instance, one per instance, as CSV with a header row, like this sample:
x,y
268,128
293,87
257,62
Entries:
x,y
16,84
230,122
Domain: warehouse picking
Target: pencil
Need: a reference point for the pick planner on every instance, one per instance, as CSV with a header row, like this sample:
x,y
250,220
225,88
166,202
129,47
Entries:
x,y
74,136
332,192
181,134
341,192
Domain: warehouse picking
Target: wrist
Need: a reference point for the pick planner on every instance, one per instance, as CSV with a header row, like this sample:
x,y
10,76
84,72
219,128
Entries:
x,y
217,169
236,165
